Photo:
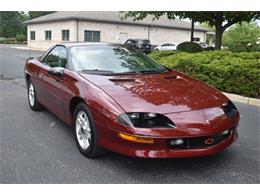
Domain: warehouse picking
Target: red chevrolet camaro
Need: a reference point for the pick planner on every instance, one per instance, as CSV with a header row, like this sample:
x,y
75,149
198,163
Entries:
x,y
119,99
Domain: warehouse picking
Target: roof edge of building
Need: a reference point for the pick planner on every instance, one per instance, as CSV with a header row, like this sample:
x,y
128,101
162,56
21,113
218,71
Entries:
x,y
116,22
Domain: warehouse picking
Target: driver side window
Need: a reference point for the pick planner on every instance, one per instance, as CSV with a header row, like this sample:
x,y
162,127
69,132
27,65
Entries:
x,y
57,57
130,42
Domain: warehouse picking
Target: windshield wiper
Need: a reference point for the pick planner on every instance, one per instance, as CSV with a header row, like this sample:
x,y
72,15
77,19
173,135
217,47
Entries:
x,y
97,71
152,71
126,73
108,72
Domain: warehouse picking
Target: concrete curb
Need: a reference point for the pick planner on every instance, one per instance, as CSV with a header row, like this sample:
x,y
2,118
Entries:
x,y
243,99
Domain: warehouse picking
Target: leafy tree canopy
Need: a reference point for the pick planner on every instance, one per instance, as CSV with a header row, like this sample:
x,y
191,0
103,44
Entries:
x,y
11,24
243,37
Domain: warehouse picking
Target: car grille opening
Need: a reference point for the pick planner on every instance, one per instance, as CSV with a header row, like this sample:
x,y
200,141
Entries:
x,y
202,141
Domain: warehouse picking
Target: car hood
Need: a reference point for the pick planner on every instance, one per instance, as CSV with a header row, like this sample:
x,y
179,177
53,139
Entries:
x,y
161,93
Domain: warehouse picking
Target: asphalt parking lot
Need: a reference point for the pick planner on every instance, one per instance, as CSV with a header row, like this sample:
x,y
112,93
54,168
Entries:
x,y
36,147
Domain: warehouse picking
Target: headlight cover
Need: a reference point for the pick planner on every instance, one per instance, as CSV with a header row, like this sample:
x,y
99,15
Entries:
x,y
145,120
230,109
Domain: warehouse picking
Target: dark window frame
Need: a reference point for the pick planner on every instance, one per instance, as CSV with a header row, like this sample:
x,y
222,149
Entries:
x,y
32,35
48,35
65,35
92,37
196,39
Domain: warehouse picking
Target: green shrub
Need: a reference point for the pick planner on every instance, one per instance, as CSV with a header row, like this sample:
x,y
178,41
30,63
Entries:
x,y
189,47
20,38
237,73
255,47
2,39
208,49
9,41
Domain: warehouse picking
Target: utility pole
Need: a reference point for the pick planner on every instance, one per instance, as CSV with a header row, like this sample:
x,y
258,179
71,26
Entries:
x,y
192,30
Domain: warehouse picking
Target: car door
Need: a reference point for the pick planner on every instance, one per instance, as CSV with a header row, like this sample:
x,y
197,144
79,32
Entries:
x,y
164,47
53,86
172,46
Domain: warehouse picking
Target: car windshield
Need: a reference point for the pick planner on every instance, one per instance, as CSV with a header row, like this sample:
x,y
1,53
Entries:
x,y
144,41
112,60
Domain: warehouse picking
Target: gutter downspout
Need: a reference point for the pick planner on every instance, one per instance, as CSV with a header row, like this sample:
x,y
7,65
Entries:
x,y
77,30
149,30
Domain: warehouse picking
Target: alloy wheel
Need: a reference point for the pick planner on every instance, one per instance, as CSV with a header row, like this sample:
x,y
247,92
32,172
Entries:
x,y
31,94
83,130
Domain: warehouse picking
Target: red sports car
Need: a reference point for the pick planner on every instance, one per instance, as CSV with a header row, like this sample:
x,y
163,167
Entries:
x,y
117,98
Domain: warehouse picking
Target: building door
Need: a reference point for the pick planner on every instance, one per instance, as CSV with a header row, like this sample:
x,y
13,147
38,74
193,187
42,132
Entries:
x,y
123,37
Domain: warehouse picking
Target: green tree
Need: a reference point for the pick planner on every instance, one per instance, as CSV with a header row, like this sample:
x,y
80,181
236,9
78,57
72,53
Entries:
x,y
242,37
11,24
219,20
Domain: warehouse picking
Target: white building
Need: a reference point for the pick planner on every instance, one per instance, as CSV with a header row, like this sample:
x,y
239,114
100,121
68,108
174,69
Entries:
x,y
108,26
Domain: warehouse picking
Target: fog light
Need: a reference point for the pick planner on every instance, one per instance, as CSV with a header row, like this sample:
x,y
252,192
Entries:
x,y
176,142
226,132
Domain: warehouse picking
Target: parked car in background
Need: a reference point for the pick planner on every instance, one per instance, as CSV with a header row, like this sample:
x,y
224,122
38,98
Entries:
x,y
117,98
143,45
203,45
166,47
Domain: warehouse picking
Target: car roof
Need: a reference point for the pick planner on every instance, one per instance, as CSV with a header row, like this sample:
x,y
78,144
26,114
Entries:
x,y
169,43
138,39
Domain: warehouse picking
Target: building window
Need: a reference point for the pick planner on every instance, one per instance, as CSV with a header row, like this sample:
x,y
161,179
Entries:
x,y
32,35
47,35
65,35
196,39
92,36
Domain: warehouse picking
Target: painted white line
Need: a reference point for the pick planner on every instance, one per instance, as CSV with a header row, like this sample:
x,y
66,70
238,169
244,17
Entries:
x,y
25,48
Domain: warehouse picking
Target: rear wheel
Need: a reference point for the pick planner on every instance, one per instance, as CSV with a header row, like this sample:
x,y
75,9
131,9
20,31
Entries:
x,y
85,132
32,97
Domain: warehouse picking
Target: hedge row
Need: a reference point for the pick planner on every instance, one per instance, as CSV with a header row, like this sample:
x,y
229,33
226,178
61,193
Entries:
x,y
17,39
237,73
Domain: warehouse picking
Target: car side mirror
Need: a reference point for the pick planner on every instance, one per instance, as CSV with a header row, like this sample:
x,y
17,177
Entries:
x,y
56,71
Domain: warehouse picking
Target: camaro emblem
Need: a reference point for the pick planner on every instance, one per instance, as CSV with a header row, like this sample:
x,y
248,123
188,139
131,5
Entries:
x,y
209,141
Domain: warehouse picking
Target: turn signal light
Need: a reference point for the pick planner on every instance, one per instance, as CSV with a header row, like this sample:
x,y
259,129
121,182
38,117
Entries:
x,y
136,139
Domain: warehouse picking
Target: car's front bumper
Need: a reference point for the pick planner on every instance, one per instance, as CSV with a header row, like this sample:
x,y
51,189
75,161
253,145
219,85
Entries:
x,y
160,148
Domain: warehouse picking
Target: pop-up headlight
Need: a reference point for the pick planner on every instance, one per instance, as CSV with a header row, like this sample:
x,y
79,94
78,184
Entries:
x,y
146,120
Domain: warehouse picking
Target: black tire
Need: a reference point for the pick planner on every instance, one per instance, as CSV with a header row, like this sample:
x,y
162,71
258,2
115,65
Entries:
x,y
35,105
93,150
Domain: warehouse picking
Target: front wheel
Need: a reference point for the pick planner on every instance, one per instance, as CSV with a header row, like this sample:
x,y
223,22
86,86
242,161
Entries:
x,y
85,132
32,97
